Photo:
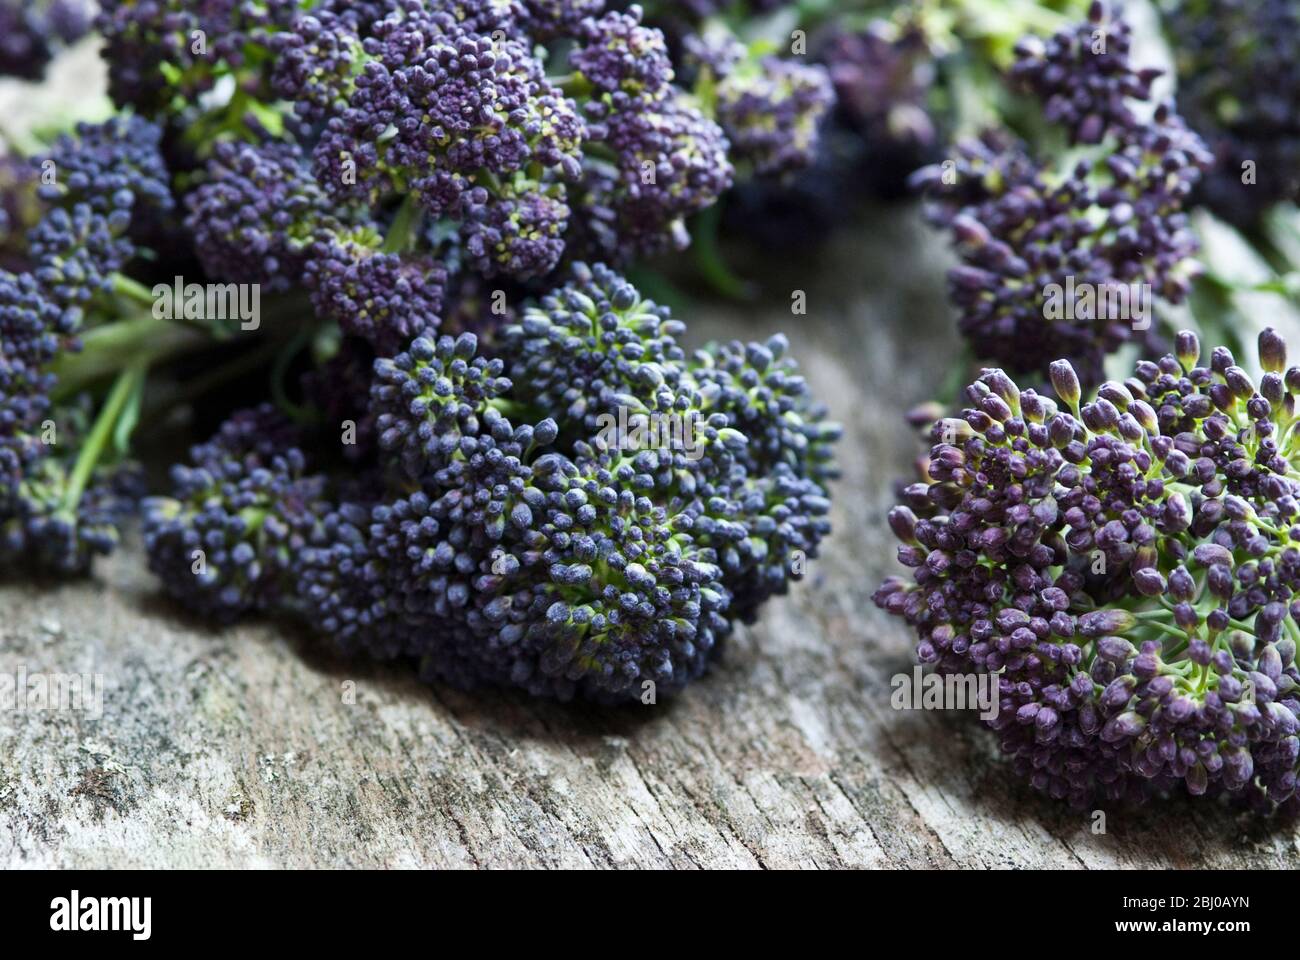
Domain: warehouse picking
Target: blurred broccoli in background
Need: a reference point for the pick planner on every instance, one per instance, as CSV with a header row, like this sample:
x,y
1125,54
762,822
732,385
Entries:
x,y
33,31
1239,83
1078,227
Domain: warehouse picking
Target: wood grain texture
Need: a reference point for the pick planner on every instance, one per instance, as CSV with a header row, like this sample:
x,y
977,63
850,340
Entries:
x,y
237,748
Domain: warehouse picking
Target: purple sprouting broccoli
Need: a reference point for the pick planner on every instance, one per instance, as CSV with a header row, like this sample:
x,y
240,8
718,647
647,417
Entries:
x,y
505,537
1124,563
32,31
1113,221
1238,68
771,108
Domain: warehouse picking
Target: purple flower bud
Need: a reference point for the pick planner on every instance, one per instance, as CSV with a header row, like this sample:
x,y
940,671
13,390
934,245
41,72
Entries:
x,y
1123,727
1066,382
1272,351
903,522
1229,689
1009,619
1102,622
1004,387
1115,649
1149,582
1187,348
1286,652
1063,625
1145,416
1100,415
1239,383
1199,652
1265,689
1185,616
1117,693
1176,516
1273,390
1145,666
1221,359
1207,554
1181,584
1284,718
1238,767
1158,689
1116,394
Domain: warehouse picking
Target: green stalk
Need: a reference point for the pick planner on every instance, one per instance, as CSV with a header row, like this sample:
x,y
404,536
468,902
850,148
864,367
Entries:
x,y
295,412
128,382
133,290
1166,629
107,349
573,85
196,387
708,257
512,408
405,228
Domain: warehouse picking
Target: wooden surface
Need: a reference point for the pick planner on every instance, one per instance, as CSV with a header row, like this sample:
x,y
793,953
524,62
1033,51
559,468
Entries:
x,y
238,748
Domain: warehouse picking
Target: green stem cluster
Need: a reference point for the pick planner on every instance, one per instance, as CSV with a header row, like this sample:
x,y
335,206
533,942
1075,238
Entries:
x,y
128,385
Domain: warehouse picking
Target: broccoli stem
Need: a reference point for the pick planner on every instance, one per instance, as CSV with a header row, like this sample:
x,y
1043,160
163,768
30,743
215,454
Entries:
x,y
572,84
405,228
196,387
133,290
708,257
128,383
513,408
107,349
279,371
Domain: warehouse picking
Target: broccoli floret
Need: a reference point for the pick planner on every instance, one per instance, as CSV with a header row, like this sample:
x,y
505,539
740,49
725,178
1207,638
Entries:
x,y
61,500
527,527
1126,565
770,108
224,541
1112,218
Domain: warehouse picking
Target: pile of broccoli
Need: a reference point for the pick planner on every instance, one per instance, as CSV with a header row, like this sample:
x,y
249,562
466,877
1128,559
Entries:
x,y
503,534
488,451
1119,551
485,454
